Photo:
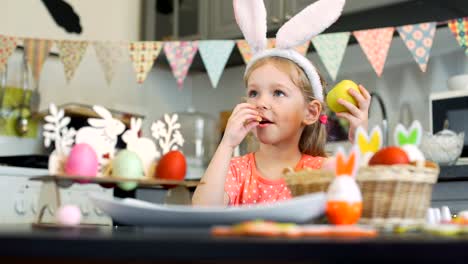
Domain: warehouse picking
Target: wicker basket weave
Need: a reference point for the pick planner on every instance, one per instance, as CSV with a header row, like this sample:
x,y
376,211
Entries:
x,y
391,194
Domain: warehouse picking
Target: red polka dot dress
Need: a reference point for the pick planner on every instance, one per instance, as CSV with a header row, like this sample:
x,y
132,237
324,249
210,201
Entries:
x,y
245,185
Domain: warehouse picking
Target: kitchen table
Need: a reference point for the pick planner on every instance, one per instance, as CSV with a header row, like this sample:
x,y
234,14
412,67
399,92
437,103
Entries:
x,y
27,244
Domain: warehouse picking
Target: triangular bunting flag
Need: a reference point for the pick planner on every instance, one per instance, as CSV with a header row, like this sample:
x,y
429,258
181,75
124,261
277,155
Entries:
x,y
375,44
418,39
180,56
459,28
110,55
215,54
331,49
143,54
7,46
302,49
245,50
71,54
37,51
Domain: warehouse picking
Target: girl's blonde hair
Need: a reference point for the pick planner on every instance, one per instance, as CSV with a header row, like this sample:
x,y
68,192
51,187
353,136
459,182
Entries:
x,y
314,136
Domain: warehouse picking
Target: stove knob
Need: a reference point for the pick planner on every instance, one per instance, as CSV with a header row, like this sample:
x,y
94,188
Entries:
x,y
84,209
20,207
98,211
51,210
34,207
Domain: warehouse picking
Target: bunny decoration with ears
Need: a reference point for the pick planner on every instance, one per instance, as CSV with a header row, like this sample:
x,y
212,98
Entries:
x,y
145,148
344,199
313,20
56,130
368,144
102,136
409,140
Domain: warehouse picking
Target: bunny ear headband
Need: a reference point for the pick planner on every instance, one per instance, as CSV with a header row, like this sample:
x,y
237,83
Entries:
x,y
313,20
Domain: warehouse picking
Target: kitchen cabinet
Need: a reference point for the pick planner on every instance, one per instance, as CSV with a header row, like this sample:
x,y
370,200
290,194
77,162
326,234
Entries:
x,y
223,23
210,19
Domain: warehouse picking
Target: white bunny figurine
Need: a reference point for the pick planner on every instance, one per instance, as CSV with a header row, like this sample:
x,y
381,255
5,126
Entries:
x,y
344,198
102,136
145,148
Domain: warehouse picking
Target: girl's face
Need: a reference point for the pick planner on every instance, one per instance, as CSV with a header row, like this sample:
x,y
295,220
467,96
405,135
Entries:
x,y
280,103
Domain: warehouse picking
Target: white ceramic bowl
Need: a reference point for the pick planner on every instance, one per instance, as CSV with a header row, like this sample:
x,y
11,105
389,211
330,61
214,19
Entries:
x,y
458,82
443,148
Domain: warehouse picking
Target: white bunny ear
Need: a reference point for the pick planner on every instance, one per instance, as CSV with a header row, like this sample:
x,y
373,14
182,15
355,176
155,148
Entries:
x,y
251,18
94,122
104,113
138,124
308,23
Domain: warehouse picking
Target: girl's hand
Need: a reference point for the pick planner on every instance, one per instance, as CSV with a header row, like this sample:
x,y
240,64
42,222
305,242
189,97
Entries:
x,y
358,115
244,117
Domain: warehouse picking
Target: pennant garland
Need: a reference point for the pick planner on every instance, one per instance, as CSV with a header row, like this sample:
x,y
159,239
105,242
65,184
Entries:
x,y
143,54
302,49
459,28
71,54
110,55
418,39
245,50
7,46
180,55
331,49
375,44
37,51
215,54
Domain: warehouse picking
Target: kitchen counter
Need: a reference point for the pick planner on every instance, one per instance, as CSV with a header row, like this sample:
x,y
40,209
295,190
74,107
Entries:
x,y
25,244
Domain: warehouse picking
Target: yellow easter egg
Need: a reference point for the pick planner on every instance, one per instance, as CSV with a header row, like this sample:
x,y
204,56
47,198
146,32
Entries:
x,y
340,91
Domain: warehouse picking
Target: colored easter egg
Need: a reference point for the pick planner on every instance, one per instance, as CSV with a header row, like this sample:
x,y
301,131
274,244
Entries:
x,y
389,156
127,164
340,91
68,215
172,166
82,161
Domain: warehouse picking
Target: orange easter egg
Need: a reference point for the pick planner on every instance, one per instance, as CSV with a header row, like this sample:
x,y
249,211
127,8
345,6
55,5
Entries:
x,y
343,212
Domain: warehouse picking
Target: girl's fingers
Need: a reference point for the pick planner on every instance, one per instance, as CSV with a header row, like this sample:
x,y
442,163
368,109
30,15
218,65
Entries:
x,y
243,106
251,119
351,118
364,92
251,125
362,102
351,108
243,112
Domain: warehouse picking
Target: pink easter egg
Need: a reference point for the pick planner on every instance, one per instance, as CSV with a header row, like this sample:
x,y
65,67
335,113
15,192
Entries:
x,y
82,161
68,215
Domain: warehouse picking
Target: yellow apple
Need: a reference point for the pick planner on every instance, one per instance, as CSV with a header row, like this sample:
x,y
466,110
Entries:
x,y
340,91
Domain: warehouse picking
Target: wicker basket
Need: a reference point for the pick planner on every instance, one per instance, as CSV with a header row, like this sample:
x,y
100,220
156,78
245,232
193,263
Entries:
x,y
391,194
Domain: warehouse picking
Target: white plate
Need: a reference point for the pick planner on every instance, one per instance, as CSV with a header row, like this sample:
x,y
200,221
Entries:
x,y
136,212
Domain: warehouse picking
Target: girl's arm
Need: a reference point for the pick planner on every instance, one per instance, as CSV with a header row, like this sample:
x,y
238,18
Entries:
x,y
210,191
211,188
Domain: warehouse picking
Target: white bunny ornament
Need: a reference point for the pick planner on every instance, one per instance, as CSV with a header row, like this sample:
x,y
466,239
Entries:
x,y
145,148
56,130
102,136
313,20
409,140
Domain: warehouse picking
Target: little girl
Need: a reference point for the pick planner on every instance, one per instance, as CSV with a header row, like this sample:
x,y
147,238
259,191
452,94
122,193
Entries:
x,y
284,110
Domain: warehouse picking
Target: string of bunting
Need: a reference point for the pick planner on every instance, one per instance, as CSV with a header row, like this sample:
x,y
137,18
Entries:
x,y
331,48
